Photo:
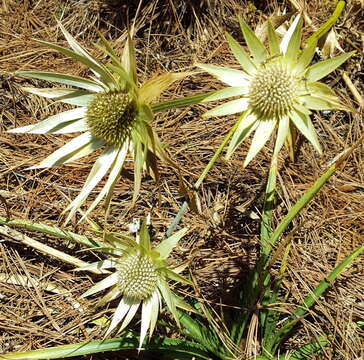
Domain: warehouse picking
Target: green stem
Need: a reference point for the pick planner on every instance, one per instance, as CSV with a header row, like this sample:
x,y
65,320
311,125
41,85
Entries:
x,y
216,155
310,193
266,317
328,24
310,300
266,223
299,205
180,102
176,220
261,275
199,181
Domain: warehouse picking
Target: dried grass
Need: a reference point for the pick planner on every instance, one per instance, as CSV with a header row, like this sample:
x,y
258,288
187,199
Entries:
x,y
222,242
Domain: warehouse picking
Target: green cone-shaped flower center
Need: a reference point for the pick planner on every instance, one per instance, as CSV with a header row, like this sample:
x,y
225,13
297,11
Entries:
x,y
137,276
272,91
110,116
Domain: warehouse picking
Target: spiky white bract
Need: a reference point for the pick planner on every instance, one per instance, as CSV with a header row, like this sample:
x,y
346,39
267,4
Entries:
x,y
276,88
140,279
113,112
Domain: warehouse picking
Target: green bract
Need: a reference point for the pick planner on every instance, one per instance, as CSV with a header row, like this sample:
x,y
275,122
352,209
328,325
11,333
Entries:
x,y
275,87
140,277
112,112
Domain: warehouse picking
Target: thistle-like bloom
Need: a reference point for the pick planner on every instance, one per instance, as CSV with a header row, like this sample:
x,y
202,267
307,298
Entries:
x,y
112,112
140,277
275,88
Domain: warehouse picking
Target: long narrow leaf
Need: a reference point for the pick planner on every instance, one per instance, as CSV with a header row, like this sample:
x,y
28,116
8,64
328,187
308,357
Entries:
x,y
226,93
111,180
78,147
128,59
306,57
69,127
139,161
302,121
68,96
319,290
300,204
102,285
273,40
271,317
152,89
166,246
53,123
244,127
62,79
127,342
232,77
93,65
266,223
97,68
290,43
204,335
306,350
51,230
261,136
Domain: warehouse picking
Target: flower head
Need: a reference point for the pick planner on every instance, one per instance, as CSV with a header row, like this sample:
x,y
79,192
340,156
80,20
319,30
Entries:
x,y
140,278
276,87
113,112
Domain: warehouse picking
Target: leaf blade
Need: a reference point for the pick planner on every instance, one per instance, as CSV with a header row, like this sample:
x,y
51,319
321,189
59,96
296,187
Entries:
x,y
165,247
62,79
323,68
98,171
229,76
261,136
255,46
240,55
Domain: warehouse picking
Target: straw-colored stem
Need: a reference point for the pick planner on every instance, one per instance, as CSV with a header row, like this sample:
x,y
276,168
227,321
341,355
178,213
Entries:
x,y
45,285
50,230
28,241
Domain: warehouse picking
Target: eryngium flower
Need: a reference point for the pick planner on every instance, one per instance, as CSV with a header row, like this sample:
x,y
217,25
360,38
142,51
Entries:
x,y
275,88
112,112
140,278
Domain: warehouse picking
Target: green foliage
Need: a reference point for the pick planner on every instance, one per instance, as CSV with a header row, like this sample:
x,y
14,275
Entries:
x,y
169,347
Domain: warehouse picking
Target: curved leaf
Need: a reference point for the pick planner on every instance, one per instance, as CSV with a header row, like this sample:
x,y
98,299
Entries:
x,y
62,79
128,342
